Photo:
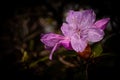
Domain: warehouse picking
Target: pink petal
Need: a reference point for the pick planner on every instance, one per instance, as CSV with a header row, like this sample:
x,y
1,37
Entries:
x,y
70,16
77,43
88,18
51,39
101,23
67,30
74,18
80,19
66,43
95,35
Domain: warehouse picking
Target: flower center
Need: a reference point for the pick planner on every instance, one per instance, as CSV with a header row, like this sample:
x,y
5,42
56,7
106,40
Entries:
x,y
67,38
78,31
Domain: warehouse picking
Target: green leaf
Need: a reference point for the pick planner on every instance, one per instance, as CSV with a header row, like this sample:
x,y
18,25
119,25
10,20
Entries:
x,y
107,54
96,50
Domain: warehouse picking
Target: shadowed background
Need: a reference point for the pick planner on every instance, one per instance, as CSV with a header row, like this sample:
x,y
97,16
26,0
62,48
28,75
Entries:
x,y
22,55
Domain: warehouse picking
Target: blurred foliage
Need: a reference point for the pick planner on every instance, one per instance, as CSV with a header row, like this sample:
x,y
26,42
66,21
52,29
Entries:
x,y
96,50
23,57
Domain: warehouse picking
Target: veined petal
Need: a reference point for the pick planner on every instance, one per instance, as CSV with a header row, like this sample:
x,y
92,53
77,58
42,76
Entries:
x,y
66,43
77,43
51,39
88,18
74,18
102,23
95,35
70,17
67,30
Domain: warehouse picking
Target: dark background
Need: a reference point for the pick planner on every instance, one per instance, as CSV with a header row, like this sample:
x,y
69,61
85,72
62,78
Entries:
x,y
13,12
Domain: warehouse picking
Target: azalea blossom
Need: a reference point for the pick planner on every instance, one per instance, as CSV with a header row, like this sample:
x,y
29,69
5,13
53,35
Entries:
x,y
79,29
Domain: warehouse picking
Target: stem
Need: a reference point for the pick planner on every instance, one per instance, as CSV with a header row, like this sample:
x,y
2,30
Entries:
x,y
86,72
84,68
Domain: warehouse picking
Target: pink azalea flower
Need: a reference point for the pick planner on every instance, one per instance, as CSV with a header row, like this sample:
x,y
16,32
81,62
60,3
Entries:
x,y
79,29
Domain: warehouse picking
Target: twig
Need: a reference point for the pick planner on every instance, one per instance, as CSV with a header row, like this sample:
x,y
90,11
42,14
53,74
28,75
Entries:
x,y
66,62
86,72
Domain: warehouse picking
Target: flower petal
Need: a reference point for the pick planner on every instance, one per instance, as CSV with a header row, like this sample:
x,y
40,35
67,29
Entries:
x,y
101,23
74,18
67,30
88,18
80,19
51,39
95,35
77,43
66,43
